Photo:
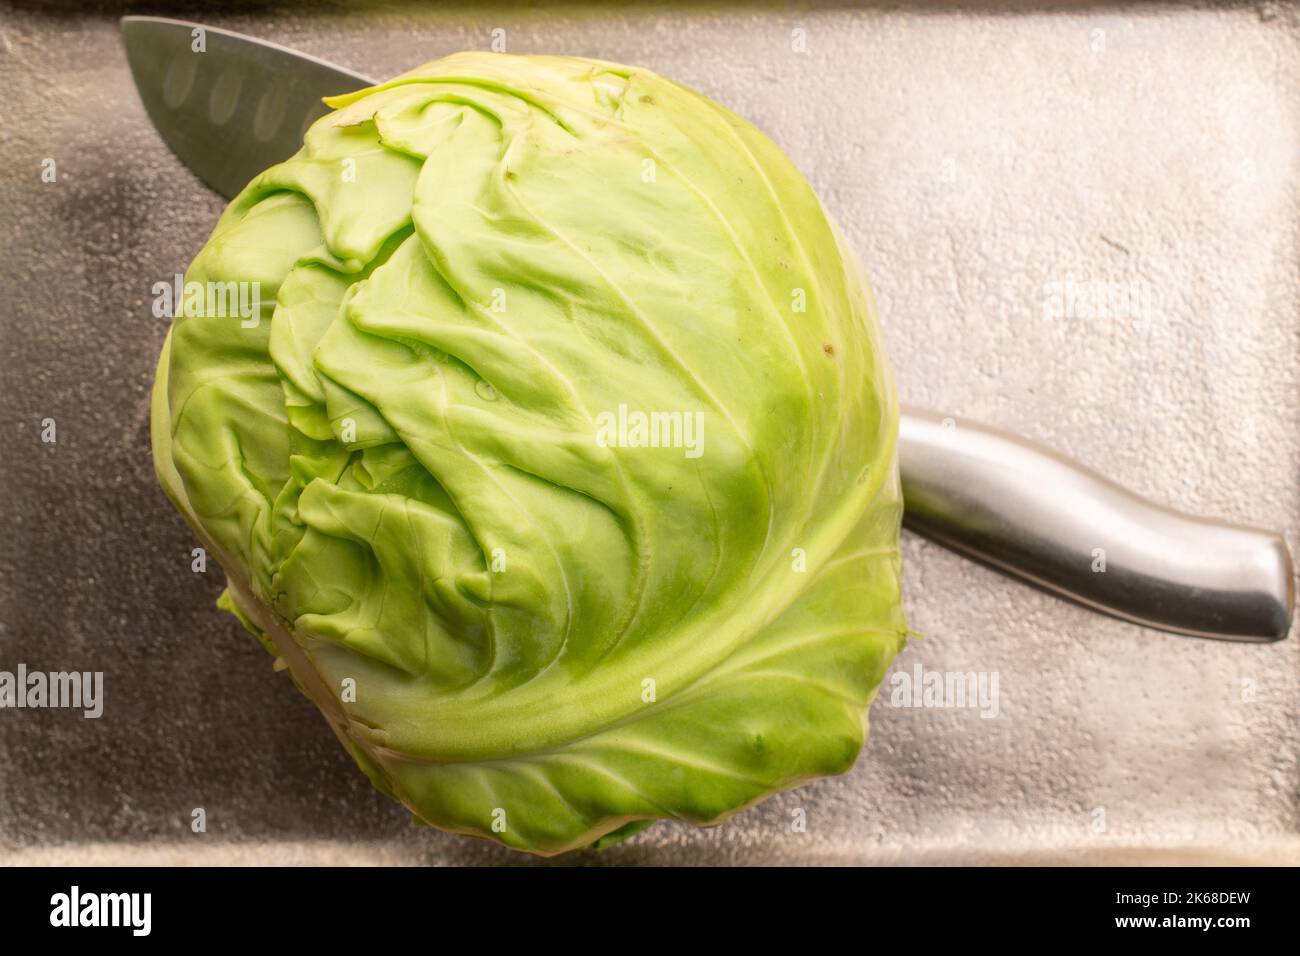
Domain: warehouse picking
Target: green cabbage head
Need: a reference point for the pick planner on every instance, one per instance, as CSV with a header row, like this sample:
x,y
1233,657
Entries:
x,y
557,463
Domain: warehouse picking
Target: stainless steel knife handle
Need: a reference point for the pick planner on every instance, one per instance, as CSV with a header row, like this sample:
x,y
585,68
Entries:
x,y
1041,517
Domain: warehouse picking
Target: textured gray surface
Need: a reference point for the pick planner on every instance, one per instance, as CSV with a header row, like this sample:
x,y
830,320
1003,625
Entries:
x,y
974,159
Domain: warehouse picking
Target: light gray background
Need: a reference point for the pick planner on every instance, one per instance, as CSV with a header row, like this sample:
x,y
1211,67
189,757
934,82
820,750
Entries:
x,y
1162,149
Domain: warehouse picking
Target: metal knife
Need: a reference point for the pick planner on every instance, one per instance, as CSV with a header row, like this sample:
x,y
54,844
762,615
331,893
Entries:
x,y
230,105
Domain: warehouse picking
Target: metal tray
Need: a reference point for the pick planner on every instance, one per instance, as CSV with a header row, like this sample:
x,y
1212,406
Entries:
x,y
982,160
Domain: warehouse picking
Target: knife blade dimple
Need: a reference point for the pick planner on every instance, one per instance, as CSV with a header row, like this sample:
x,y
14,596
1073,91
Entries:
x,y
270,112
179,80
224,98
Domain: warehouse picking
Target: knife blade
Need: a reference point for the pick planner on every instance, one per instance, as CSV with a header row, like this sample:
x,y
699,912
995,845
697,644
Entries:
x,y
230,105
